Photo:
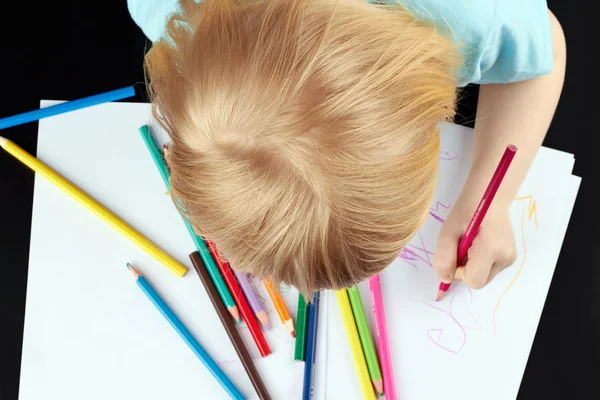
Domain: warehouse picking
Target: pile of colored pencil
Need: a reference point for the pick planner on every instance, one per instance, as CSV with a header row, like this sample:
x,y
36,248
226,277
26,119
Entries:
x,y
306,340
231,292
365,356
234,290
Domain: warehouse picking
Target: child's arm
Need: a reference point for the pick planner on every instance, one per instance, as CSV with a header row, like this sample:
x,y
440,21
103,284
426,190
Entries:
x,y
515,113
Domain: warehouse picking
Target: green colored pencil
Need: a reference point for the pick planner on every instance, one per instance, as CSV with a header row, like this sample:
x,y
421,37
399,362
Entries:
x,y
156,154
301,319
365,338
213,270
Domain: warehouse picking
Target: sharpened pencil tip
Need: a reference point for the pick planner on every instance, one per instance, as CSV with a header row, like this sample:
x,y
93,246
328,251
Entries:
x,y
133,271
378,386
264,319
3,141
440,295
233,310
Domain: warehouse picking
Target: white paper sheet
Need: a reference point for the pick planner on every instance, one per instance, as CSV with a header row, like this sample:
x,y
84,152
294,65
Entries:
x,y
90,333
473,344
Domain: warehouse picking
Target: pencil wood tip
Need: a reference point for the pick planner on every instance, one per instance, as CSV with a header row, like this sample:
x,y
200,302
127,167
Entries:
x,y
264,319
289,325
3,141
378,384
233,310
133,271
440,295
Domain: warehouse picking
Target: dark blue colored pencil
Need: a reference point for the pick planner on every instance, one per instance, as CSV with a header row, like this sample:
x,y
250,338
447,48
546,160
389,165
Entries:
x,y
311,347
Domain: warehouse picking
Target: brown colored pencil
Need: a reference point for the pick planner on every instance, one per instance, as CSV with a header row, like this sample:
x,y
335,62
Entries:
x,y
232,332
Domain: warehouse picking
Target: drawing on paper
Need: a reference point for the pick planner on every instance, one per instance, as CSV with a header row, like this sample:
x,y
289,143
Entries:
x,y
435,211
413,253
417,253
448,155
461,322
531,213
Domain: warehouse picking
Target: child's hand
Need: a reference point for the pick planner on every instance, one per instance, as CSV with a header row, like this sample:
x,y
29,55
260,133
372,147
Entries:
x,y
492,250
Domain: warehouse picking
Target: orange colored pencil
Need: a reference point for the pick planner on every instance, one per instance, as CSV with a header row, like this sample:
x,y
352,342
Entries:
x,y
282,310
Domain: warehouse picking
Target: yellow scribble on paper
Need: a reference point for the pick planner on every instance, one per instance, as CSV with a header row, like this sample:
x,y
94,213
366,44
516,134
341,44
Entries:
x,y
531,208
531,212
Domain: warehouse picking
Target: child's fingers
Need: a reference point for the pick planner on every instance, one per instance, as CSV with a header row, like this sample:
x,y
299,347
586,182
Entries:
x,y
444,259
496,269
477,270
509,256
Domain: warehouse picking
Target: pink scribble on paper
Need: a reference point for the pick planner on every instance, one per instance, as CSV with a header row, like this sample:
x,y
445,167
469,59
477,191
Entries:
x,y
435,211
413,253
464,322
448,155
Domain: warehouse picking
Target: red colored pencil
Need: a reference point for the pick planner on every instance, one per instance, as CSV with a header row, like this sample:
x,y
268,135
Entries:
x,y
241,301
482,208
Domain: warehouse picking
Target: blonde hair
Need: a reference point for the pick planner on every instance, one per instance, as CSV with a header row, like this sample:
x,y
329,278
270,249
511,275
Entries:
x,y
304,133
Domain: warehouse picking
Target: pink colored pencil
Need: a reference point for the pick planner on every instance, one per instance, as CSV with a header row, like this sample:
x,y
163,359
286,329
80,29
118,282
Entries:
x,y
482,208
383,343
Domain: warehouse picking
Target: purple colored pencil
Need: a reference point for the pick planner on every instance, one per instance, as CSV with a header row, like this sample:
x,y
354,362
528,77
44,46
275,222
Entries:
x,y
252,297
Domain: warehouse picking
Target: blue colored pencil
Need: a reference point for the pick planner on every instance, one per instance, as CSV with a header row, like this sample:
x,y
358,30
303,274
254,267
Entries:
x,y
186,335
311,347
62,108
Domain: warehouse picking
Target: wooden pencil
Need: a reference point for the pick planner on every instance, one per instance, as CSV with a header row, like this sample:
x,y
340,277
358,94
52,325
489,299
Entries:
x,y
366,339
241,301
230,328
473,228
279,304
186,335
256,304
158,156
66,107
383,343
311,347
355,347
301,320
92,205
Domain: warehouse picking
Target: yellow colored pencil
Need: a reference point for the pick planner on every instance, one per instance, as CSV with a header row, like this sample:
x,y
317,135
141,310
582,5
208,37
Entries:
x,y
355,347
92,205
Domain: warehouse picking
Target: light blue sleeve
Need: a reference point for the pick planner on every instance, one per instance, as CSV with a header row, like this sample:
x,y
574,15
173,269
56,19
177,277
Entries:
x,y
501,40
152,15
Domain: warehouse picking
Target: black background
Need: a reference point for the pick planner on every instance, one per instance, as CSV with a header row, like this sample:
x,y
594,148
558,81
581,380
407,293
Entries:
x,y
66,50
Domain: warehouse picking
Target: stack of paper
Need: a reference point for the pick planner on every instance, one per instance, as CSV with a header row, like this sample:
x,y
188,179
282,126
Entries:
x,y
90,333
474,344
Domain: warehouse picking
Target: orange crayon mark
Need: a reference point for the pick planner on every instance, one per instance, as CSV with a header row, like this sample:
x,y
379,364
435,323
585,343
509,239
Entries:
x,y
531,212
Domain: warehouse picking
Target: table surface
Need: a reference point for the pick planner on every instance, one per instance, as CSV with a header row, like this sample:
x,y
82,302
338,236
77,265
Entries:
x,y
67,50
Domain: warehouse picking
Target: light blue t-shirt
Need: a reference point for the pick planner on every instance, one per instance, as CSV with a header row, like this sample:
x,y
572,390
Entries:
x,y
501,40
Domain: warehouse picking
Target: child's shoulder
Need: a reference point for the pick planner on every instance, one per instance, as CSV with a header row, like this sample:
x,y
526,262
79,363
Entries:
x,y
501,40
151,15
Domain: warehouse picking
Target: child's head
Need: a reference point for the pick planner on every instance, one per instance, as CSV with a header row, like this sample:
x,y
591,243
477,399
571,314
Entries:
x,y
304,133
